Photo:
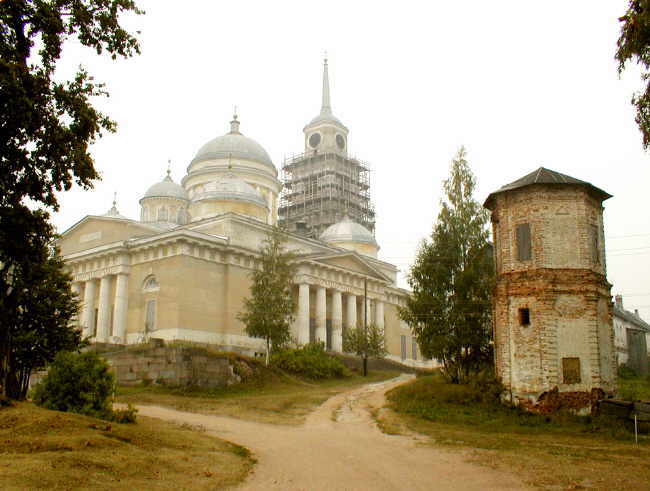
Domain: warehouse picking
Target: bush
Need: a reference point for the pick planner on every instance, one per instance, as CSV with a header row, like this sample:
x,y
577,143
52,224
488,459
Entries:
x,y
310,361
626,372
124,416
77,382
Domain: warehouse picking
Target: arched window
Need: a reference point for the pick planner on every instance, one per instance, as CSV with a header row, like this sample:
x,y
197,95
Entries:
x,y
181,217
162,214
150,284
150,316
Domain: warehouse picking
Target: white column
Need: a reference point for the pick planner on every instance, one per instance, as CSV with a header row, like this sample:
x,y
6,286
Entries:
x,y
379,314
321,314
351,317
337,321
88,309
121,306
303,314
104,309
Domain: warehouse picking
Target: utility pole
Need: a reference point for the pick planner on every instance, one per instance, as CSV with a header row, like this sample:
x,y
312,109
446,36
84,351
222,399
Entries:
x,y
365,327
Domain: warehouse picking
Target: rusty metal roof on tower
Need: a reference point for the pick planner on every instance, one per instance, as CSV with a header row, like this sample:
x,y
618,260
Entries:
x,y
546,176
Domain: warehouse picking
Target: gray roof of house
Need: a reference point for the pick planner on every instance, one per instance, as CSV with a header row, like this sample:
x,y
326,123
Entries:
x,y
547,176
631,318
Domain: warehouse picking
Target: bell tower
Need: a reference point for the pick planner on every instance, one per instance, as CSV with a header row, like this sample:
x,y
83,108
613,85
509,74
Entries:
x,y
324,184
325,133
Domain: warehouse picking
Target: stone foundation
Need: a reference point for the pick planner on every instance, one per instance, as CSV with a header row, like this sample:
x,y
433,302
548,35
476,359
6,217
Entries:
x,y
178,366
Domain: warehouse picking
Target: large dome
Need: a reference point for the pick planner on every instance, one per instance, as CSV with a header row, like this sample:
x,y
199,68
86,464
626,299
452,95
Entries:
x,y
347,230
233,144
230,188
166,189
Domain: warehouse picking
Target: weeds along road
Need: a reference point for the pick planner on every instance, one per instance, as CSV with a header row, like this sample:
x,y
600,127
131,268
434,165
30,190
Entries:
x,y
340,448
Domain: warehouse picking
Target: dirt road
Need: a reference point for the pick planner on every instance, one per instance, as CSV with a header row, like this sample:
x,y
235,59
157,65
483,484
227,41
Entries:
x,y
340,448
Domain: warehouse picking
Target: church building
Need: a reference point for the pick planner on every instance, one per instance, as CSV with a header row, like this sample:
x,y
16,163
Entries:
x,y
182,270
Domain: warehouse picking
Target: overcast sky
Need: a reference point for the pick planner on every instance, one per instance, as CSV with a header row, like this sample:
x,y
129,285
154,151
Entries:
x,y
520,84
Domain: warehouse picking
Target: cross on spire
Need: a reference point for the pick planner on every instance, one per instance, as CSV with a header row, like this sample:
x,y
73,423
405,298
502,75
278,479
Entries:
x,y
326,106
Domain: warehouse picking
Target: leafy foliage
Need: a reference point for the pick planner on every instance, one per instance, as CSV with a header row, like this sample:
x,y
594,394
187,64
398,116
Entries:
x,y
46,128
125,416
310,361
79,383
449,310
41,327
370,341
634,45
268,313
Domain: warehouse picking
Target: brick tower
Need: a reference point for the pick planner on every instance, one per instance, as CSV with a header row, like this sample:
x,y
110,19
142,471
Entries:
x,y
554,341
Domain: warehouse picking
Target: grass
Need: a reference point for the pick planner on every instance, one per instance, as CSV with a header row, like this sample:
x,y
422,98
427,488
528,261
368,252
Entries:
x,y
273,398
44,449
633,388
563,450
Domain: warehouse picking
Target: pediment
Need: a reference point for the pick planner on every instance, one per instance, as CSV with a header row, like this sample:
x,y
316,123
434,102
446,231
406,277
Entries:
x,y
352,262
94,231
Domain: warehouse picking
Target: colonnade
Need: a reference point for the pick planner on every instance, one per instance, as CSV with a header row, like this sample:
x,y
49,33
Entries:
x,y
302,322
107,320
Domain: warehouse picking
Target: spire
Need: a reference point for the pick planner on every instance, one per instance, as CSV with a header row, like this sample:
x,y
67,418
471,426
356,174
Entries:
x,y
234,124
326,107
169,170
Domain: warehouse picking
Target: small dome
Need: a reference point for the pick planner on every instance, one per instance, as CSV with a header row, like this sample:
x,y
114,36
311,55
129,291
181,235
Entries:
x,y
325,118
236,145
230,188
347,230
166,189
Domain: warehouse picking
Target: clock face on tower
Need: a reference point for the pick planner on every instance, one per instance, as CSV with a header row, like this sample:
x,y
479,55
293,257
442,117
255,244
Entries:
x,y
314,140
340,141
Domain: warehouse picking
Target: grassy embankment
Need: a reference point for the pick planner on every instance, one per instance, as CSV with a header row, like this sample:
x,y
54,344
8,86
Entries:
x,y
563,450
271,397
42,449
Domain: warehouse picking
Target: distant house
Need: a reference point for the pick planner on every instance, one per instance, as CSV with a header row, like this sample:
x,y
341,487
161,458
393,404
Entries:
x,y
632,338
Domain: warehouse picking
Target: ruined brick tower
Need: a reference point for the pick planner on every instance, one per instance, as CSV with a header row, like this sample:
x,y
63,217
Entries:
x,y
552,302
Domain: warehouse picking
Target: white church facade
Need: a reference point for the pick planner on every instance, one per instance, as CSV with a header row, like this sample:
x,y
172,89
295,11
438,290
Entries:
x,y
182,270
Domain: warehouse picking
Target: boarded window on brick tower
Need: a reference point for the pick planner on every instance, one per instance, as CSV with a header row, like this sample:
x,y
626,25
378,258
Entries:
x,y
595,246
571,370
524,252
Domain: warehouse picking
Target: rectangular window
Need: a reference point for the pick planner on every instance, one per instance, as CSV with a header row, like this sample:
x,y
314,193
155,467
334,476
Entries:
x,y
95,315
524,317
524,252
571,370
403,340
595,246
150,321
414,348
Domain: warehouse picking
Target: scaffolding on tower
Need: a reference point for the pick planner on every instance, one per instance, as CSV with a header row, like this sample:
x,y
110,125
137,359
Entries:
x,y
320,189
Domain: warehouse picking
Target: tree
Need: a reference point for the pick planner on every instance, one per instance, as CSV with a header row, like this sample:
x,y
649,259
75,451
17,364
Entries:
x,y
634,45
449,310
78,382
268,312
46,127
41,326
369,341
